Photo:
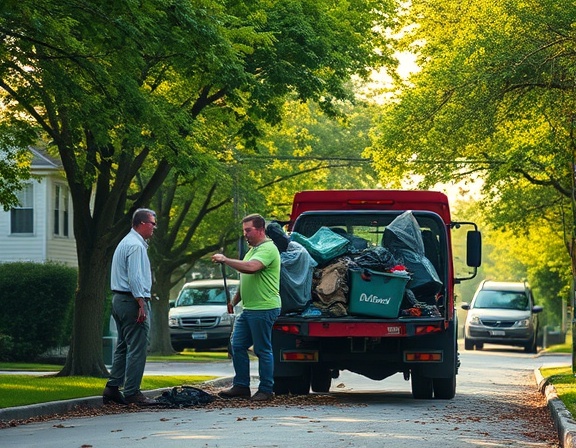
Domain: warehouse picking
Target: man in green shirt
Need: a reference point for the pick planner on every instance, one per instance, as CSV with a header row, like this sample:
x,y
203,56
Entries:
x,y
259,292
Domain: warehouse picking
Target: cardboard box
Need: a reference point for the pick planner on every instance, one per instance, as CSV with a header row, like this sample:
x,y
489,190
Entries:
x,y
377,294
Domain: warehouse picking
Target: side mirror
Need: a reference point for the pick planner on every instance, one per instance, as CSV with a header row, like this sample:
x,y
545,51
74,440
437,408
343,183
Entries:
x,y
465,306
537,309
474,248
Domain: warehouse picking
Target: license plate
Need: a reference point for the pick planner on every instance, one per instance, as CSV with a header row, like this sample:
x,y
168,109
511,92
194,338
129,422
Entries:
x,y
199,335
497,333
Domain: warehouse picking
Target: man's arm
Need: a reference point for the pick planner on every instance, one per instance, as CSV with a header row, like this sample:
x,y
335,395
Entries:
x,y
245,267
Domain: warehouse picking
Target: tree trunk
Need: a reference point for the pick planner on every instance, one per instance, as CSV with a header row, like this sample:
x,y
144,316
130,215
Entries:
x,y
85,357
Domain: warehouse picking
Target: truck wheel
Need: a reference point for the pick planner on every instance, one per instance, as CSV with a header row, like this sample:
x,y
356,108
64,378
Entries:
x,y
468,344
295,385
321,379
422,387
282,385
445,388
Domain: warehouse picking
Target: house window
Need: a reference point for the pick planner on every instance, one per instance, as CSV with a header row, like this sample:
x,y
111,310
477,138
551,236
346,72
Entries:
x,y
61,203
22,216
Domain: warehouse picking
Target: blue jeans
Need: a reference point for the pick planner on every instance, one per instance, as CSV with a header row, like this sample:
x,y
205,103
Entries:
x,y
132,347
254,328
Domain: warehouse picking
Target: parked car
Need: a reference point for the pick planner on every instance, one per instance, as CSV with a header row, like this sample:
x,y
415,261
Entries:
x,y
502,313
199,318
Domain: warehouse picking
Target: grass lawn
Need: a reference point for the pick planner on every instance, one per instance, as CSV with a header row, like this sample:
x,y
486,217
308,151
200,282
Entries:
x,y
20,390
562,377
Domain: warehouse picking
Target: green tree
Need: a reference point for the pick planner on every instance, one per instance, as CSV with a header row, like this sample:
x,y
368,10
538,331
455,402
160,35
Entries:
x,y
494,99
119,87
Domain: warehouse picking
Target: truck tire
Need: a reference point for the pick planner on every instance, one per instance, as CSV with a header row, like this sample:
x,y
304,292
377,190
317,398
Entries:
x,y
321,379
295,385
468,344
444,388
422,387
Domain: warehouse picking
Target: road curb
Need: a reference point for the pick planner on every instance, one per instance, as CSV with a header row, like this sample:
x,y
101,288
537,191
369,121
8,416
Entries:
x,y
64,406
563,420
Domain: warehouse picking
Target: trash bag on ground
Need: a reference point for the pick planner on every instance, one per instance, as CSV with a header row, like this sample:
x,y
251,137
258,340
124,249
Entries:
x,y
185,396
296,271
324,245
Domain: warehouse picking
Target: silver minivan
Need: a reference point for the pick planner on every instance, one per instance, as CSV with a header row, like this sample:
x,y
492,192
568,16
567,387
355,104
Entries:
x,y
502,313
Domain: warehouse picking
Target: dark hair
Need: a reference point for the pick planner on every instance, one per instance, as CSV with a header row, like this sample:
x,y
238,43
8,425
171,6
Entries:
x,y
142,215
256,219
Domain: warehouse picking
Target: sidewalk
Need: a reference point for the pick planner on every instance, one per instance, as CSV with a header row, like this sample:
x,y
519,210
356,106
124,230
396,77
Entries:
x,y
563,420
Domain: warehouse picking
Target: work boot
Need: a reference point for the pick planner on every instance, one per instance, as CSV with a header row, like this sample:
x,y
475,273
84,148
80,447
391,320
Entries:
x,y
112,394
262,396
140,399
235,392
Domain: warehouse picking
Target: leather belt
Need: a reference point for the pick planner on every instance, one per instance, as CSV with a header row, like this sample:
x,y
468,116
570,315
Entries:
x,y
124,293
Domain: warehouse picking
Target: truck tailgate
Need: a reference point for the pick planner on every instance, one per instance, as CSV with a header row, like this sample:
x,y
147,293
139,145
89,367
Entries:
x,y
360,327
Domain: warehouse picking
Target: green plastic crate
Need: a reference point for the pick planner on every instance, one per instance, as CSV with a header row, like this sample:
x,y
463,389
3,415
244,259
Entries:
x,y
377,294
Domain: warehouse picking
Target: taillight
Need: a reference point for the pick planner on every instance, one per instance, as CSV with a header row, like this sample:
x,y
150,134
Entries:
x,y
287,328
299,355
426,329
423,356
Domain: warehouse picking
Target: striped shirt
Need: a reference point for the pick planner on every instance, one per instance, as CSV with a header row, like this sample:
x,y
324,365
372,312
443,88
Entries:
x,y
131,267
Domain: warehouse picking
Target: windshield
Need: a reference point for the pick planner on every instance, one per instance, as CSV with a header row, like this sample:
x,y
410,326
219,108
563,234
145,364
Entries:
x,y
508,300
204,296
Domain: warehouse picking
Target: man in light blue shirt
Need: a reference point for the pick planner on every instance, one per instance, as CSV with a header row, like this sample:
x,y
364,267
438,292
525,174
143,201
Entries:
x,y
131,283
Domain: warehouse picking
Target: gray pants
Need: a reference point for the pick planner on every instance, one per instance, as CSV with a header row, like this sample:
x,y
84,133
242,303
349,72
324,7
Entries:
x,y
130,356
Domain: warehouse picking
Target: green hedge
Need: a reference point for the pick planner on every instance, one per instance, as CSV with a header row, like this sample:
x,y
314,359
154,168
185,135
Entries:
x,y
36,300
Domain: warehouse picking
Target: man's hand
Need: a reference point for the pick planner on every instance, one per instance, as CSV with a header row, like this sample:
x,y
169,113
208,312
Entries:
x,y
218,258
141,311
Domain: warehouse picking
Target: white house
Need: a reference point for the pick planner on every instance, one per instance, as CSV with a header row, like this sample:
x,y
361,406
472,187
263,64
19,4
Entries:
x,y
40,229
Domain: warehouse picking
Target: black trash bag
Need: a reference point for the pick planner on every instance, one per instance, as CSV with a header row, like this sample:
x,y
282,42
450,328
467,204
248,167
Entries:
x,y
185,396
404,239
404,233
377,259
424,280
275,232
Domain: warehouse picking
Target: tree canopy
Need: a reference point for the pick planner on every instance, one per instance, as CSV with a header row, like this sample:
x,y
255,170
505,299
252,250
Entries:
x,y
116,89
494,97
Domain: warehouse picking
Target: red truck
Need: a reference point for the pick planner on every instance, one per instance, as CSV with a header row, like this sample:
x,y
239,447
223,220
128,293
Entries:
x,y
311,351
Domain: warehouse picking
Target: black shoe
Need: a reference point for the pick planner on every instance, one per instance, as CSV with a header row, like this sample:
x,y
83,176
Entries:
x,y
140,399
262,396
235,392
112,394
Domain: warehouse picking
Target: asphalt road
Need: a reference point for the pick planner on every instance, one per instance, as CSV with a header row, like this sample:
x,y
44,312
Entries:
x,y
493,408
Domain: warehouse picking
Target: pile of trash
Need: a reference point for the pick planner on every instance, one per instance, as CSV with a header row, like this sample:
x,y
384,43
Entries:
x,y
315,271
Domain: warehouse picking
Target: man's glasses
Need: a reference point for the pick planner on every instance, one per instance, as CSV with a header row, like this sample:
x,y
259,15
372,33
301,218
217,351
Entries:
x,y
150,222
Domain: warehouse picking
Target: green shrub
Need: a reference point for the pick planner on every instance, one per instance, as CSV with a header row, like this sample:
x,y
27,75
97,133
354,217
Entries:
x,y
36,303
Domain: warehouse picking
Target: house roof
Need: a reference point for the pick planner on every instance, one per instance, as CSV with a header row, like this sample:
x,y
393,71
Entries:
x,y
41,159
